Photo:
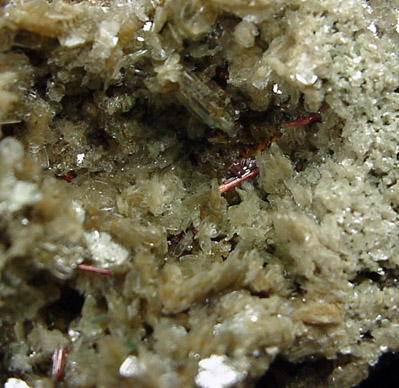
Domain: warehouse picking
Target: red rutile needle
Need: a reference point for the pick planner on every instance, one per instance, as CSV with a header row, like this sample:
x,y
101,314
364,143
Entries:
x,y
304,121
58,363
233,183
90,268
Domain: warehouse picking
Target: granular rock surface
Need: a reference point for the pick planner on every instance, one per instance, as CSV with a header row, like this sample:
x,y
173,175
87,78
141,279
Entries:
x,y
119,120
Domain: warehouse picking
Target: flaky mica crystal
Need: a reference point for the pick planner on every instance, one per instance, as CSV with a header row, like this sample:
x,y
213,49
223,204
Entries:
x,y
119,119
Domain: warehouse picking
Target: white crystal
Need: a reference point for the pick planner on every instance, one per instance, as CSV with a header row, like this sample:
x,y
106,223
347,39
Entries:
x,y
104,251
373,28
131,367
72,40
273,350
20,195
306,79
276,89
74,335
108,33
214,372
79,158
16,383
147,26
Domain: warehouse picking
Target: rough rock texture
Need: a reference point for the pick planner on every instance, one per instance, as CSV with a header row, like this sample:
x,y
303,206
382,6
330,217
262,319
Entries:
x,y
118,121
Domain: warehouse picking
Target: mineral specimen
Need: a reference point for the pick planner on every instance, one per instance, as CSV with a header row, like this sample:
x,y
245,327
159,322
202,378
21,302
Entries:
x,y
119,121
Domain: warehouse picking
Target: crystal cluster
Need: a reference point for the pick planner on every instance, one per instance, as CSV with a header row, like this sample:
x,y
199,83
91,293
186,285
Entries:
x,y
118,121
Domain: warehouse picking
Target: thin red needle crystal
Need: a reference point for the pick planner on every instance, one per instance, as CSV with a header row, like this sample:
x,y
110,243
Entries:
x,y
58,363
305,121
90,268
233,183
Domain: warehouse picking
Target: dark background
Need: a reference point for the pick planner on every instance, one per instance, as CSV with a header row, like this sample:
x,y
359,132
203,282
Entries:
x,y
310,374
